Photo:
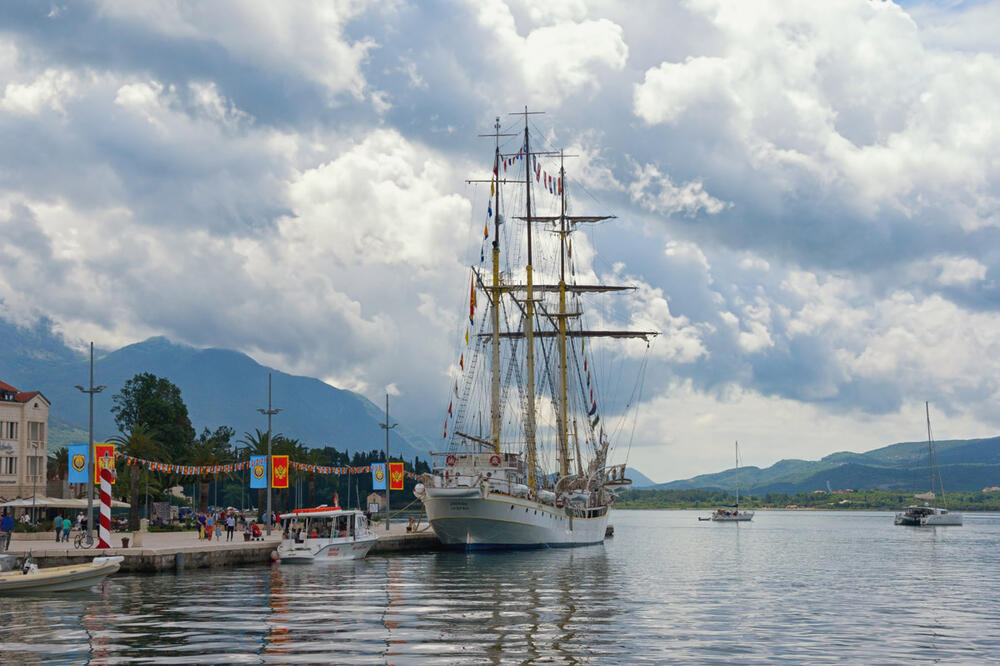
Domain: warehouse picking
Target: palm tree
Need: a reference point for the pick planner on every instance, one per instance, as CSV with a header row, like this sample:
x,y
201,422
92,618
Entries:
x,y
209,449
313,457
140,442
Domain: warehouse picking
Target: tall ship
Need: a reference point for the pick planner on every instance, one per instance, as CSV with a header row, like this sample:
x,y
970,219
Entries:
x,y
526,461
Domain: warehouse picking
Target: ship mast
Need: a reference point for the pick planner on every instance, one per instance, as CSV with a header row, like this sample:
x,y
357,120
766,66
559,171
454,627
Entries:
x,y
564,397
495,320
529,329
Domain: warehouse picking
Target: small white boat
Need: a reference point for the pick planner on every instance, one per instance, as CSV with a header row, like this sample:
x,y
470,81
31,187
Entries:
x,y
324,533
30,578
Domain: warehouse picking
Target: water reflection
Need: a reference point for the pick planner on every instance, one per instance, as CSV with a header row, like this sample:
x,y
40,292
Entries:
x,y
666,589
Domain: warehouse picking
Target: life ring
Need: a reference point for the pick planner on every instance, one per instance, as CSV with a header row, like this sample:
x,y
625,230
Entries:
x,y
495,460
450,460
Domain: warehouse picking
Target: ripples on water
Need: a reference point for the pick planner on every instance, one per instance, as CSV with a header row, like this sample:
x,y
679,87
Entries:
x,y
789,587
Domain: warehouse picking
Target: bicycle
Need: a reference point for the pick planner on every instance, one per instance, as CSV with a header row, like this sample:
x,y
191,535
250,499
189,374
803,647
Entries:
x,y
84,540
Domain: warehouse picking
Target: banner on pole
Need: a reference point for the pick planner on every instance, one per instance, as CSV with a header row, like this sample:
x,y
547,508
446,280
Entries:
x,y
77,455
378,476
102,453
258,472
395,476
279,466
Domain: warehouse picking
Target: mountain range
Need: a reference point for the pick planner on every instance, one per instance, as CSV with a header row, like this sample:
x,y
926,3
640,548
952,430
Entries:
x,y
219,387
965,464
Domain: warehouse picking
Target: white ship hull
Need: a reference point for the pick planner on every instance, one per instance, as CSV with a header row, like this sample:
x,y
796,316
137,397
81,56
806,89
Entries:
x,y
506,522
928,517
322,550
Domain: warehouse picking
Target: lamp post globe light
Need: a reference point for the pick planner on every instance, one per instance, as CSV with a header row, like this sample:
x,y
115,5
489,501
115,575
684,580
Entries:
x,y
90,452
269,412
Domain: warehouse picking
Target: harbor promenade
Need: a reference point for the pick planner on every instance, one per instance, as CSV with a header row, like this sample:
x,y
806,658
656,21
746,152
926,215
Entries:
x,y
176,551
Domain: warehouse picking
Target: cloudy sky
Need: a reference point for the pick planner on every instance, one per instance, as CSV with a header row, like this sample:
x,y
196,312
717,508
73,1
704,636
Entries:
x,y
807,195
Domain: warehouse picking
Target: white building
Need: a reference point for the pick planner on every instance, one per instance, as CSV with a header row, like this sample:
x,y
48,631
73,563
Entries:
x,y
24,424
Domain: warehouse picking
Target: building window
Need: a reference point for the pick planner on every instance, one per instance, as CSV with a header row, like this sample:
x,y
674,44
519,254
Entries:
x,y
36,431
9,466
8,429
34,465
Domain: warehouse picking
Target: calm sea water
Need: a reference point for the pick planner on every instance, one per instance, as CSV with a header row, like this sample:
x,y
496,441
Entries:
x,y
791,587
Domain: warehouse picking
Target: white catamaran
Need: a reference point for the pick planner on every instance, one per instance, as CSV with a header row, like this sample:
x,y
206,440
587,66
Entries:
x,y
525,484
926,515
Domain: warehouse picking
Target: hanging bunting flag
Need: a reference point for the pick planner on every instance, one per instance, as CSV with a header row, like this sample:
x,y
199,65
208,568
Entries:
x,y
461,361
492,190
560,184
597,419
378,476
258,471
445,434
466,337
456,388
472,300
585,365
489,210
78,461
486,230
593,410
395,476
592,395
103,454
588,379
449,407
538,173
279,468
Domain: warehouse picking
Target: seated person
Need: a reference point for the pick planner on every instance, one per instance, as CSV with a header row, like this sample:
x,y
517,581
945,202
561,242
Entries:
x,y
255,530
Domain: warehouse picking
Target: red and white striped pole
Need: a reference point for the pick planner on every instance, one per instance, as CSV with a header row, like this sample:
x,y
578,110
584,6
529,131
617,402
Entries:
x,y
104,533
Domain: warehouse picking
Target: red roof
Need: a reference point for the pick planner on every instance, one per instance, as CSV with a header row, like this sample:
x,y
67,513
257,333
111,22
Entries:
x,y
20,396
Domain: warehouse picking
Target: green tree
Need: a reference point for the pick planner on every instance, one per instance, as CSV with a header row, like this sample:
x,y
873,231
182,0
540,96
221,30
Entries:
x,y
156,403
58,464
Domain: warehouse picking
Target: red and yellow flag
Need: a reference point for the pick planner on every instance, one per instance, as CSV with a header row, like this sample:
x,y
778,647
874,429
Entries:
x,y
101,451
279,471
395,476
472,300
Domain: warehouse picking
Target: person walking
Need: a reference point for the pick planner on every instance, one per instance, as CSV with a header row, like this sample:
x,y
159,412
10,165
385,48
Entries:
x,y
66,525
230,526
6,529
201,526
209,524
57,524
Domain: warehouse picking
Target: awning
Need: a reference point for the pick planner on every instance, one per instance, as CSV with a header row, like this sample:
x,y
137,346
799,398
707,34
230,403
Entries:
x,y
43,502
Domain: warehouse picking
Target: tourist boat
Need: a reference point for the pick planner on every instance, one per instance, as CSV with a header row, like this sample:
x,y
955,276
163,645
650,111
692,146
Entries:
x,y
29,578
535,478
732,514
926,515
324,534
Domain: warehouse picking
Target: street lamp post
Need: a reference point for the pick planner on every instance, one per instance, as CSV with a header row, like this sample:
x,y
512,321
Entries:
x,y
269,412
34,482
385,426
90,452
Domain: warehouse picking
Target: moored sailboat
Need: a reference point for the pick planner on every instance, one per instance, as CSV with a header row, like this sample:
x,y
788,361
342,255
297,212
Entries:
x,y
926,515
494,490
732,514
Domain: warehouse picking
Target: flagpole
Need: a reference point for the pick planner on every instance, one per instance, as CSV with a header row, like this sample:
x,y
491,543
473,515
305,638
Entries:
x,y
269,412
90,452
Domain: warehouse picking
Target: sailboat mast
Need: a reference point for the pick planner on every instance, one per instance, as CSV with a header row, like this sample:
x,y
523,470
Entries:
x,y
737,476
564,397
495,315
529,330
930,447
